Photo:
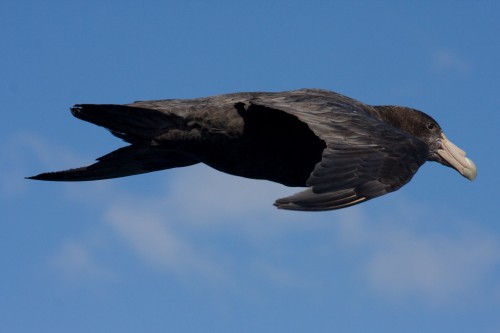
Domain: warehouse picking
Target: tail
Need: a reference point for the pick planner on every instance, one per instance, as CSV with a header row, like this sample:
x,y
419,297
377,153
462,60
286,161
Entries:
x,y
126,161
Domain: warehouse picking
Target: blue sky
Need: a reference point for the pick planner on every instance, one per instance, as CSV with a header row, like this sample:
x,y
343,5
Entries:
x,y
194,250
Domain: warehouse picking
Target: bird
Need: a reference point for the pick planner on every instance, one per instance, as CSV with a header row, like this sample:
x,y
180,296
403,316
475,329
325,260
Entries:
x,y
344,152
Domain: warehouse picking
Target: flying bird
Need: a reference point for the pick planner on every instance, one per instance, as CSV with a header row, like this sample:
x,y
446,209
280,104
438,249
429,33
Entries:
x,y
345,152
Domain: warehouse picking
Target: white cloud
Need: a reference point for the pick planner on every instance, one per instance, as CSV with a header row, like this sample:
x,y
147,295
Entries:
x,y
150,236
204,194
438,267
398,261
162,229
205,199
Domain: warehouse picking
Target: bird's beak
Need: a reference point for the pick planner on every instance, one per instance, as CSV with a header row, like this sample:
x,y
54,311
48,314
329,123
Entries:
x,y
456,158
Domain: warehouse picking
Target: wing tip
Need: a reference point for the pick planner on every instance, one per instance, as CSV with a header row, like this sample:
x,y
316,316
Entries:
x,y
76,109
41,176
52,176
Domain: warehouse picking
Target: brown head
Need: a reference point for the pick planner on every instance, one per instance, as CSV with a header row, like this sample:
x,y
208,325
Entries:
x,y
425,128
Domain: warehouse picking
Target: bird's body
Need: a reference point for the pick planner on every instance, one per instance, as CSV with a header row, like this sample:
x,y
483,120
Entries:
x,y
345,151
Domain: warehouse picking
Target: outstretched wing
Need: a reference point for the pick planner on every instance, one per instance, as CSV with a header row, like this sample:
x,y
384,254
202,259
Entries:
x,y
364,158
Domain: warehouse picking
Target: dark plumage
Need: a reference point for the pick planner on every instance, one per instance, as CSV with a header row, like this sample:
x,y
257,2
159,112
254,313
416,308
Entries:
x,y
345,151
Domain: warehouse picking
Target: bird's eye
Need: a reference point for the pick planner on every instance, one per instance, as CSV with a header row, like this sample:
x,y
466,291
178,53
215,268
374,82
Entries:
x,y
431,126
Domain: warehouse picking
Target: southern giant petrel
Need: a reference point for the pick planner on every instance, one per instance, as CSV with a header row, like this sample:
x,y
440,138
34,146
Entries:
x,y
344,151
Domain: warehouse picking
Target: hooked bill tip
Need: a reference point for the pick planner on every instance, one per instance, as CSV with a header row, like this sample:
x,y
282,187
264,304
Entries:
x,y
471,171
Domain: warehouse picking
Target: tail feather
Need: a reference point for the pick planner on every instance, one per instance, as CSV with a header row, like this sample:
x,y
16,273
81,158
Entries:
x,y
126,161
132,124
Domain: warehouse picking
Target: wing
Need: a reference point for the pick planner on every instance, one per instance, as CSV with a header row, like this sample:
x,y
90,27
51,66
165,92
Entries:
x,y
346,177
365,157
126,161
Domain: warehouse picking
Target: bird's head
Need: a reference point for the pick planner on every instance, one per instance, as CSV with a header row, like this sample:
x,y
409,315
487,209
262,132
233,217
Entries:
x,y
425,128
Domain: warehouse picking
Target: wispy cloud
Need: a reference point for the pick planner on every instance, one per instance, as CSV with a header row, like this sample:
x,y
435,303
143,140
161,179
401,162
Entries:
x,y
438,266
203,194
400,261
150,236
396,259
